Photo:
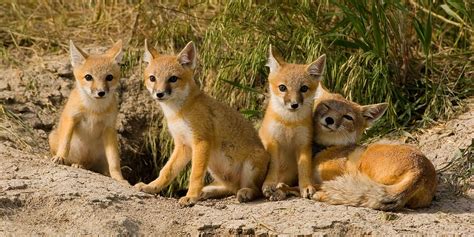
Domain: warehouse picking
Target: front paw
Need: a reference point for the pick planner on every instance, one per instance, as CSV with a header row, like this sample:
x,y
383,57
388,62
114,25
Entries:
x,y
79,166
273,193
268,190
318,196
146,188
307,191
58,160
188,201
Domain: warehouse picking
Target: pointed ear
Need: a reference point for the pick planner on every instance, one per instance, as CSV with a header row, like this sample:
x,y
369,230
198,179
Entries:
x,y
150,53
187,56
275,60
316,68
77,55
320,91
116,52
373,112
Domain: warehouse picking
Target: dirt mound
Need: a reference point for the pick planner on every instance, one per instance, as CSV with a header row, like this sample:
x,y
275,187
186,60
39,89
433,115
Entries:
x,y
38,197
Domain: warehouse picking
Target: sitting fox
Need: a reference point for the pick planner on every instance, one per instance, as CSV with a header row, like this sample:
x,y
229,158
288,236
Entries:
x,y
86,135
379,176
210,134
287,127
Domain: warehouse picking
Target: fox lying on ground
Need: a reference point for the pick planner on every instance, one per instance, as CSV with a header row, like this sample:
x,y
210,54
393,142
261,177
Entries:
x,y
379,176
86,135
208,133
286,130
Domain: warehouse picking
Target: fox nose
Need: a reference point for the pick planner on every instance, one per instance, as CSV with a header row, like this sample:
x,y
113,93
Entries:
x,y
101,93
160,94
294,106
329,120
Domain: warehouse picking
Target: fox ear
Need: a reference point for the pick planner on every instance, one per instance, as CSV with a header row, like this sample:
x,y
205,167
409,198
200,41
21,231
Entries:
x,y
150,53
373,112
316,68
320,91
116,51
187,56
77,55
275,60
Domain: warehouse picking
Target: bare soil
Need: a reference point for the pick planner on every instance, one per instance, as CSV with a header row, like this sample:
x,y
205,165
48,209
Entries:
x,y
41,198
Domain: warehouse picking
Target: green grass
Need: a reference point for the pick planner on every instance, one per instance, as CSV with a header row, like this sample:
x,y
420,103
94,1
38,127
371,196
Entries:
x,y
415,55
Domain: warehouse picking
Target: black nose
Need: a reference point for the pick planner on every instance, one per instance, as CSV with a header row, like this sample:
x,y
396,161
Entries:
x,y
101,93
329,120
294,106
160,94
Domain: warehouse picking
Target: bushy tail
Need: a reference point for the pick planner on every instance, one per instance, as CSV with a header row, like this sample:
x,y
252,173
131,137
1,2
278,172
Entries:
x,y
359,190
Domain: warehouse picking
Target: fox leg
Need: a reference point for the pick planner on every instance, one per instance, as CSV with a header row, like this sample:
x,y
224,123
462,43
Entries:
x,y
215,190
201,151
178,160
112,154
304,172
60,140
269,187
252,176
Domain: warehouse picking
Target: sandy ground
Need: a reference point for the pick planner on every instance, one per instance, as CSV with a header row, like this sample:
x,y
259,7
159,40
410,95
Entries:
x,y
41,198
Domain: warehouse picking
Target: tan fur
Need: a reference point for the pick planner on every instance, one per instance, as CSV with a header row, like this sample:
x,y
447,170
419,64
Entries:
x,y
86,135
379,176
210,134
286,131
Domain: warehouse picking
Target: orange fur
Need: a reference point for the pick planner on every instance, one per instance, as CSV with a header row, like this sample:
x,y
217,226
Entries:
x,y
210,134
379,176
86,135
287,126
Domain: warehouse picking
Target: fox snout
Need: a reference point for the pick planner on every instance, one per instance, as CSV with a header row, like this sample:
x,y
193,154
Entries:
x,y
328,122
294,105
161,94
100,93
293,102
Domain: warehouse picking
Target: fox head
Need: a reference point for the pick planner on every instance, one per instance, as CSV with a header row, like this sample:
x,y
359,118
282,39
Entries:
x,y
97,75
338,121
169,77
292,86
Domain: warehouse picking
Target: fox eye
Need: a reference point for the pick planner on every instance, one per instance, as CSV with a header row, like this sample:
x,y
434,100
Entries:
x,y
348,117
152,78
304,88
109,77
88,77
282,88
173,79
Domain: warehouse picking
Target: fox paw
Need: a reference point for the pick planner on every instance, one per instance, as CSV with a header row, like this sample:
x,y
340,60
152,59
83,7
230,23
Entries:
x,y
146,188
268,190
58,160
273,193
77,166
308,191
188,201
246,195
318,196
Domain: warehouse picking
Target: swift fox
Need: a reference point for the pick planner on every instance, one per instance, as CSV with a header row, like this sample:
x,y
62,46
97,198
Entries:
x,y
210,134
287,126
86,135
379,176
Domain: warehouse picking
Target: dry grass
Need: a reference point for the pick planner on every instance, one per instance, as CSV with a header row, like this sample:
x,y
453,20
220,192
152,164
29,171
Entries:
x,y
415,55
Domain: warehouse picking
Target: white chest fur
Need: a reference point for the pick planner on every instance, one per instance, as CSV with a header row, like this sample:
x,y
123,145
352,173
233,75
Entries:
x,y
290,136
178,127
180,130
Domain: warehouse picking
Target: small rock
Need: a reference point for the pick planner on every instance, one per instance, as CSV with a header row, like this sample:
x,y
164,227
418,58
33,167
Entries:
x,y
15,184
